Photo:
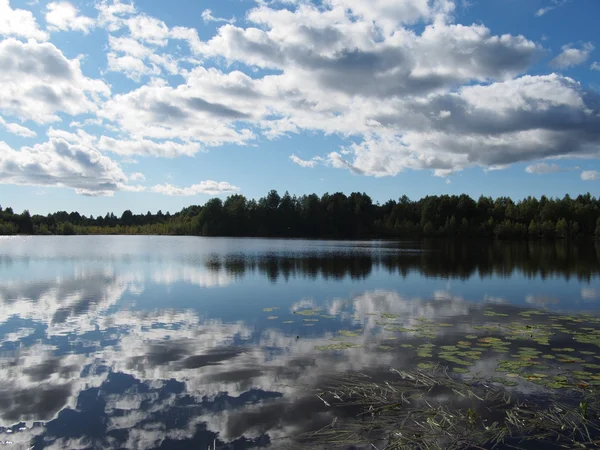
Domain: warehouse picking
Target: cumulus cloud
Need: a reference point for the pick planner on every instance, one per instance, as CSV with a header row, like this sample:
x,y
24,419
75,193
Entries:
x,y
146,147
590,175
306,163
132,67
439,96
204,187
208,17
543,168
19,22
135,59
192,111
61,164
137,176
112,14
572,56
63,16
17,129
595,66
38,82
148,29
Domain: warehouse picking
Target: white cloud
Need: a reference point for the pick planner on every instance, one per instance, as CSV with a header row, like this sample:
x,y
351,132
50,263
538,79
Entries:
x,y
543,168
135,59
60,163
132,67
590,175
38,82
192,111
595,66
306,163
442,96
17,129
208,17
64,16
572,56
146,147
148,29
19,22
113,13
391,14
553,5
204,187
137,176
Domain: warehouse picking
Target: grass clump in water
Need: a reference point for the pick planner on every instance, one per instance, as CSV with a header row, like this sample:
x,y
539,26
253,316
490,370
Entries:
x,y
429,409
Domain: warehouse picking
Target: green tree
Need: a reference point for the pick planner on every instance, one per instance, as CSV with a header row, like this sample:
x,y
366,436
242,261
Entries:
x,y
562,229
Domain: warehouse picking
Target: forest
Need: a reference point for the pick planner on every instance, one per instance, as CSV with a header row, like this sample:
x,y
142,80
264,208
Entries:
x,y
337,216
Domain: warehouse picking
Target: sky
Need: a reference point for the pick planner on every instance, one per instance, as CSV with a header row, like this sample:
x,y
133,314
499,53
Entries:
x,y
110,105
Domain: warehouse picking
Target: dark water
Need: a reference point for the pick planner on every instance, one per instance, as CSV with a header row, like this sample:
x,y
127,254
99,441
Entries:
x,y
168,342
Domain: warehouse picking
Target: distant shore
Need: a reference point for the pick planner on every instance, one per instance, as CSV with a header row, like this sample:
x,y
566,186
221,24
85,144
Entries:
x,y
336,216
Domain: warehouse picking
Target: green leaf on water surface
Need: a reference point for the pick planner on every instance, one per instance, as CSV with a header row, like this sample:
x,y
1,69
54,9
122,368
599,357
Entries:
x,y
504,381
591,366
555,385
289,321
308,312
385,347
425,365
348,333
460,370
449,348
310,320
389,316
309,324
271,309
272,317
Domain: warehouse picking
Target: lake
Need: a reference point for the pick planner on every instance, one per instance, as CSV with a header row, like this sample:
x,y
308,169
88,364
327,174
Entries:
x,y
143,342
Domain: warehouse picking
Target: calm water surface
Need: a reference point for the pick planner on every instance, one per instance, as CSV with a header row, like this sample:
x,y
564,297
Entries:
x,y
178,342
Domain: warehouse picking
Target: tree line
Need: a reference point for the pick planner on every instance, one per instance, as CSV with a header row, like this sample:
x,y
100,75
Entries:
x,y
337,216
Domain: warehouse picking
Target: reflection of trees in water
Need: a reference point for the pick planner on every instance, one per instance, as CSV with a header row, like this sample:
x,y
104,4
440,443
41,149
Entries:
x,y
454,259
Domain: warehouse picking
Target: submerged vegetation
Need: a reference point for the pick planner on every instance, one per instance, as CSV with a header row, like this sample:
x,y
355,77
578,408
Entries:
x,y
510,382
337,216
428,408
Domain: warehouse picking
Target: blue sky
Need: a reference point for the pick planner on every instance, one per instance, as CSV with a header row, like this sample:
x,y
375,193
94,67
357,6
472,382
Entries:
x,y
110,105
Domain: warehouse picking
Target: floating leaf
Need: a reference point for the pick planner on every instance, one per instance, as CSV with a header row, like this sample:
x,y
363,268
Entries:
x,y
348,333
272,317
389,316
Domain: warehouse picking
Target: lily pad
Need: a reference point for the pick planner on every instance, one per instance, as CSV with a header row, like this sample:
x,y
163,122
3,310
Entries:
x,y
348,333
